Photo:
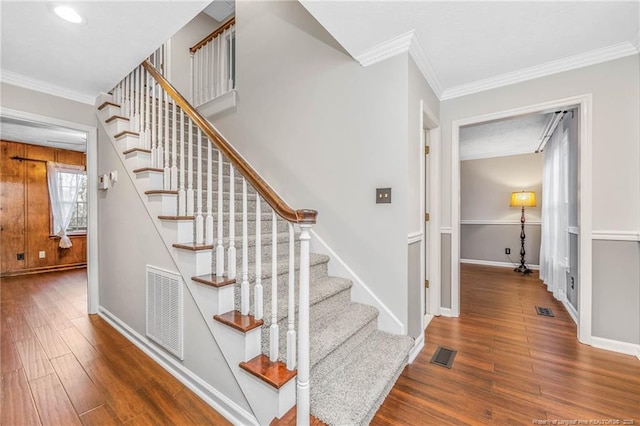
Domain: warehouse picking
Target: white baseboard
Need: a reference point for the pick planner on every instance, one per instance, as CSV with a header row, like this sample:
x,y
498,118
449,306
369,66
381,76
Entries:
x,y
493,263
570,309
360,292
427,320
223,405
417,347
616,346
446,312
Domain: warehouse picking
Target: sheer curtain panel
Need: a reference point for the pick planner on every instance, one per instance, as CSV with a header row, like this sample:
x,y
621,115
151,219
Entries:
x,y
64,186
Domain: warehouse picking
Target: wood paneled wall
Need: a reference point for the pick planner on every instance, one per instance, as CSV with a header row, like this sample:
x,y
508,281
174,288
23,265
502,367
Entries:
x,y
25,214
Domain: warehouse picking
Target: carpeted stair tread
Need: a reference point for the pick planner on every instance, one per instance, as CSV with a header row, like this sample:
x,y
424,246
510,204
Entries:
x,y
282,266
333,327
355,388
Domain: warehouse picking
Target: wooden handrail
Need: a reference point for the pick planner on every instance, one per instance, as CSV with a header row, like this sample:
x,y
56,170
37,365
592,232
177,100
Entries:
x,y
281,208
230,22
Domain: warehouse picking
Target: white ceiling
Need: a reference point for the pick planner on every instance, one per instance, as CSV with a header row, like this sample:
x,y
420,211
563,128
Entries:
x,y
12,129
220,10
42,51
512,136
464,46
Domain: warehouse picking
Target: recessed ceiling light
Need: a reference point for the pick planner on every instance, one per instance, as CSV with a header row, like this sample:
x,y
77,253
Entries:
x,y
68,14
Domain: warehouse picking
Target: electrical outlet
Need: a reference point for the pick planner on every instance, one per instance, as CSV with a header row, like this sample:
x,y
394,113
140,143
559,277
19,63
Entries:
x,y
20,256
42,254
507,250
383,195
573,283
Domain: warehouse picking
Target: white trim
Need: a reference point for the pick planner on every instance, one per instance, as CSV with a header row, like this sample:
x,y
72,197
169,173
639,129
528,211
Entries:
x,y
435,239
570,309
498,222
360,292
424,65
415,237
445,230
592,57
502,153
494,263
220,103
584,102
616,346
229,409
446,312
15,79
385,50
573,230
616,235
418,345
92,194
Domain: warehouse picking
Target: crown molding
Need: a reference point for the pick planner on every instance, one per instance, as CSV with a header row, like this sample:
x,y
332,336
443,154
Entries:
x,y
385,50
424,65
15,79
593,57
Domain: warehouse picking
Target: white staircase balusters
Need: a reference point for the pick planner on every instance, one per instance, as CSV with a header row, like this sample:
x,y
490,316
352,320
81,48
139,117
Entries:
x,y
220,247
199,218
174,146
291,304
167,143
231,257
244,286
190,194
302,415
273,329
125,98
154,121
147,111
257,292
160,149
182,194
208,224
140,103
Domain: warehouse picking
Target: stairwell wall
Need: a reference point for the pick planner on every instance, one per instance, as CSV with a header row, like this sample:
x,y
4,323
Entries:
x,y
325,133
128,241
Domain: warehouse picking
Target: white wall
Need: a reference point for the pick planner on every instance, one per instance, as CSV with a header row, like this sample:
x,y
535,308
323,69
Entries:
x,y
615,87
325,133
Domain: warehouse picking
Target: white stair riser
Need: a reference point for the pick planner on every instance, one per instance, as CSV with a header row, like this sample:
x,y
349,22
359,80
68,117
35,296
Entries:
x,y
138,160
128,141
214,300
194,262
118,125
180,231
109,111
150,180
163,204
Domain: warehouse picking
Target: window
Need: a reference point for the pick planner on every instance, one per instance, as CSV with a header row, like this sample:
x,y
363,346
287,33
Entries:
x,y
68,195
78,223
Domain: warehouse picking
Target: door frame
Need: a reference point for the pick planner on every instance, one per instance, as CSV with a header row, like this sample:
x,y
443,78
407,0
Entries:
x,y
429,123
92,194
585,108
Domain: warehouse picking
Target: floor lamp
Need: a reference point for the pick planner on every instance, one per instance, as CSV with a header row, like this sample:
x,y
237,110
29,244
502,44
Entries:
x,y
523,199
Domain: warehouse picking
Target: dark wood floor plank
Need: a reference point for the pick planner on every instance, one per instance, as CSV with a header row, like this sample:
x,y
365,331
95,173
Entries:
x,y
82,392
52,402
18,407
539,369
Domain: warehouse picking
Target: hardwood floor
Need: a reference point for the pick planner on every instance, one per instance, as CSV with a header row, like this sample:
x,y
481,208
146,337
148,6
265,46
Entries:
x,y
62,366
512,365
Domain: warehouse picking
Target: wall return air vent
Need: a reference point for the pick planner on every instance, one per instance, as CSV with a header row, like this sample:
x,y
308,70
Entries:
x,y
165,310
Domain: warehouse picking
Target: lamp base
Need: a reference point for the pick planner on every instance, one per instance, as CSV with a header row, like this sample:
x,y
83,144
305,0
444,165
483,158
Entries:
x,y
523,270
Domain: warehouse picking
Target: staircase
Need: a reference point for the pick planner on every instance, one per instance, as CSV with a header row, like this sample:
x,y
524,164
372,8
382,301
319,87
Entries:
x,y
270,304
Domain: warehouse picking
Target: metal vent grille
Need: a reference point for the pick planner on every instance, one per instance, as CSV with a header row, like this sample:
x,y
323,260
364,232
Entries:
x,y
164,309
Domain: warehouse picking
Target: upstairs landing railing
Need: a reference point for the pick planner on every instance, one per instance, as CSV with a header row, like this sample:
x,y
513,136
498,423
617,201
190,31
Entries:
x,y
179,138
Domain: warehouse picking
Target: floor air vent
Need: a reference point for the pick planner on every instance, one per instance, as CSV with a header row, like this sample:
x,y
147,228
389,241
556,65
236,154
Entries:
x,y
164,309
443,357
544,311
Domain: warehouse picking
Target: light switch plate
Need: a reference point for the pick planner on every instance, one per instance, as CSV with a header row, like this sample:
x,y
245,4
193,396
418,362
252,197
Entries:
x,y
383,195
42,254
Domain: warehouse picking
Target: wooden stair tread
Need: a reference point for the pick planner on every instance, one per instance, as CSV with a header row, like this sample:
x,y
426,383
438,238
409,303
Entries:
x,y
130,133
290,419
193,246
176,217
273,373
214,280
106,104
116,117
235,319
160,191
129,151
148,169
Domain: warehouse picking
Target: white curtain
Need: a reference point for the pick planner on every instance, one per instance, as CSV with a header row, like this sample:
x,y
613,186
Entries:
x,y
554,247
64,186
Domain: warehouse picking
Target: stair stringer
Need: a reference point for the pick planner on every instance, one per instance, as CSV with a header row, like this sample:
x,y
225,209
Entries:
x,y
265,401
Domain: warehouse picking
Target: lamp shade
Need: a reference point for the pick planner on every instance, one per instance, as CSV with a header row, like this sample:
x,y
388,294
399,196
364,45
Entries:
x,y
523,199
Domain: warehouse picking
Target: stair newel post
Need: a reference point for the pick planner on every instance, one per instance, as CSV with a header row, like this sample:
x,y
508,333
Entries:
x,y
154,120
199,218
174,146
244,287
219,246
182,195
303,404
273,329
231,256
257,303
167,142
291,331
190,197
208,224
